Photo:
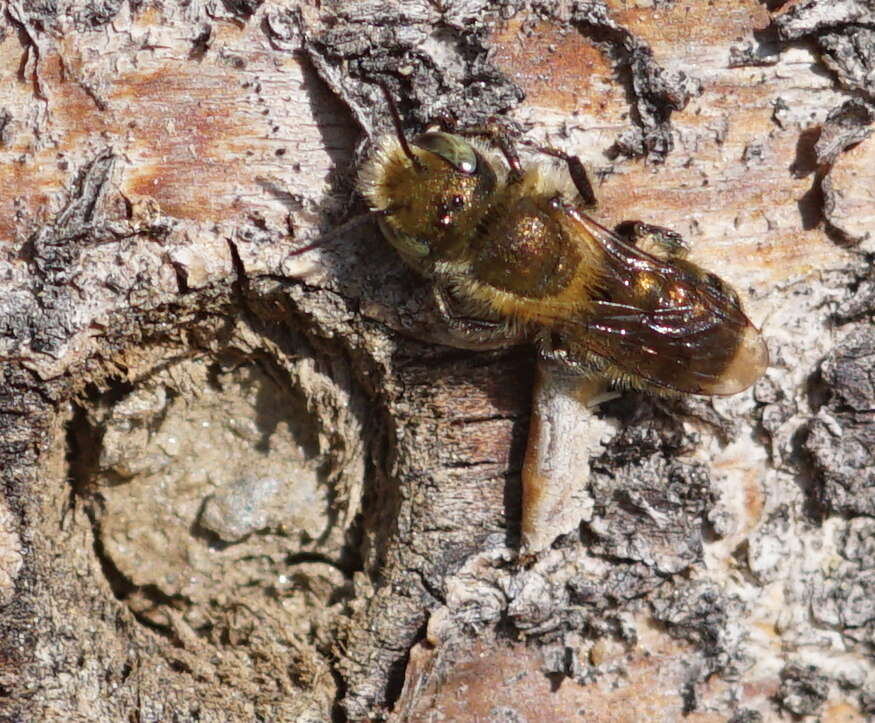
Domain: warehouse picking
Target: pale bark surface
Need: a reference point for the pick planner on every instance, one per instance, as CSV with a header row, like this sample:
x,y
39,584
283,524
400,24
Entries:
x,y
242,485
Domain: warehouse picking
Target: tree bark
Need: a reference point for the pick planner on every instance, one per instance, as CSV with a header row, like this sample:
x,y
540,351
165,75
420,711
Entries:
x,y
240,483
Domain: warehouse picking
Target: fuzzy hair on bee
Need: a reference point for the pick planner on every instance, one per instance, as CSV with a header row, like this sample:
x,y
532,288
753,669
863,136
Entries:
x,y
516,247
438,219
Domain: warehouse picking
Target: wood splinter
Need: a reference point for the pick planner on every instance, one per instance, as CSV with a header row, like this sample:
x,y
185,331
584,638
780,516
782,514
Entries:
x,y
564,434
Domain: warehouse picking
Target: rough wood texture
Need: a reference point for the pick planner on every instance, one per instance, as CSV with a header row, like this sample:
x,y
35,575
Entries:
x,y
239,484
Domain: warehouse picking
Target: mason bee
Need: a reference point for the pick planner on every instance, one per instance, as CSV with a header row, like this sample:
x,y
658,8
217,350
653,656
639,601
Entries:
x,y
514,252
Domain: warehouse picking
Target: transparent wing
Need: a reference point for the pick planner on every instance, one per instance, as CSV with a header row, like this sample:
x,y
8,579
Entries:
x,y
670,323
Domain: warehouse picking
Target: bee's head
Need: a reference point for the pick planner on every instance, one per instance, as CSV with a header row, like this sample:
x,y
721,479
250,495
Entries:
x,y
430,194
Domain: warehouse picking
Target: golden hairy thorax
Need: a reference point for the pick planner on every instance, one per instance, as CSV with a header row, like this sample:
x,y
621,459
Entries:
x,y
516,245
509,245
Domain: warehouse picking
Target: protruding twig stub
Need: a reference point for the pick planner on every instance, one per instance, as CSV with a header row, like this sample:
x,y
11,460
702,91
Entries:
x,y
564,435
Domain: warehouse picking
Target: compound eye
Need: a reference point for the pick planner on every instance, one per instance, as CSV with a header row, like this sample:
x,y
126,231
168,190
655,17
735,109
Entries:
x,y
455,151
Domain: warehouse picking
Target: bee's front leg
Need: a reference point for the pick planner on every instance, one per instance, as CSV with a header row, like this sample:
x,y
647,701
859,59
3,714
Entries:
x,y
473,330
576,170
502,137
657,240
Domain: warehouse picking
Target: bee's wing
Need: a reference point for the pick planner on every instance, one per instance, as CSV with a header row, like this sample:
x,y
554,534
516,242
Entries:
x,y
678,348
690,335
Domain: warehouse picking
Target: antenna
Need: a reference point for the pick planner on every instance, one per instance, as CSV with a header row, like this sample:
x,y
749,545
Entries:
x,y
399,130
356,220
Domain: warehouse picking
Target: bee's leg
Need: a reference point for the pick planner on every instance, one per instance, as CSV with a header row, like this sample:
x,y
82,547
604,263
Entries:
x,y
550,350
660,241
576,170
502,139
446,121
657,240
561,360
473,332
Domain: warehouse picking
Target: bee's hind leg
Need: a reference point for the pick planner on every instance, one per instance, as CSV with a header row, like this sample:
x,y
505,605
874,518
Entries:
x,y
657,240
